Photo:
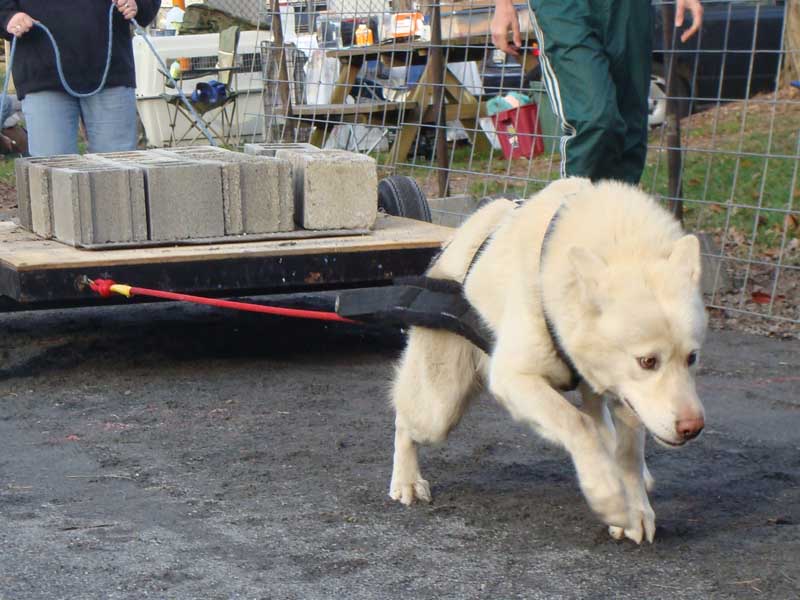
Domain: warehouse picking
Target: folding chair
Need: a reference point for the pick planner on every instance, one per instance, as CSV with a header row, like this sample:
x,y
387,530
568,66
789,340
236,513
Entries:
x,y
216,105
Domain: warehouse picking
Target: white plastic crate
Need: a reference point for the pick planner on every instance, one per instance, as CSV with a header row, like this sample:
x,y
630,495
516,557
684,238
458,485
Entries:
x,y
203,49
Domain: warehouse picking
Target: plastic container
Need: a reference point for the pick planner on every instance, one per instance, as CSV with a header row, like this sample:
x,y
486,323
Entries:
x,y
329,31
363,35
402,25
549,126
518,132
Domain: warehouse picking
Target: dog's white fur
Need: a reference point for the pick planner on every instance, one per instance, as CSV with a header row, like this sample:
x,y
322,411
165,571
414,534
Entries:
x,y
619,281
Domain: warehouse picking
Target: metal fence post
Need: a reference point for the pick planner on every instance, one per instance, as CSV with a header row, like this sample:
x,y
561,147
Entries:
x,y
438,66
673,122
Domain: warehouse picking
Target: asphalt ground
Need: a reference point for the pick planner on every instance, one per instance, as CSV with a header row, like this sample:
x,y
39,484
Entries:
x,y
177,452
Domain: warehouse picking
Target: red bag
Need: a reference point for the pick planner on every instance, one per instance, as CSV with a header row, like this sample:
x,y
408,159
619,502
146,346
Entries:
x,y
518,131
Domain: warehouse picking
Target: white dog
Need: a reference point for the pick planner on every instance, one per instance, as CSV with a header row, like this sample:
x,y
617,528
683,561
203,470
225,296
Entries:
x,y
592,283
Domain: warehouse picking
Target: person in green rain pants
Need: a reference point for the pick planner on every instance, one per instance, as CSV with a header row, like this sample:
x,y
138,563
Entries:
x,y
595,61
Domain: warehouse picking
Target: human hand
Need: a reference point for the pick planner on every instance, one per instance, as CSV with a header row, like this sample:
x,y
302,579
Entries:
x,y
20,24
505,20
128,8
696,9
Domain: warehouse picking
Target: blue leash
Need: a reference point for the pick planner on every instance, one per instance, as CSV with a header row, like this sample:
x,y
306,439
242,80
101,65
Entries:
x,y
67,88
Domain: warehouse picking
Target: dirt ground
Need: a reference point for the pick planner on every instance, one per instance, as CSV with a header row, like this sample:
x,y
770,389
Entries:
x,y
8,200
174,452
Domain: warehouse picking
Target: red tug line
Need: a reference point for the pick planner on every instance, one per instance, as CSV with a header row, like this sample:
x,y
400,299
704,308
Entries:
x,y
107,287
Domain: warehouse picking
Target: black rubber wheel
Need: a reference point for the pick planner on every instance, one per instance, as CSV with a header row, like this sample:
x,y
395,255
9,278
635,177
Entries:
x,y
401,196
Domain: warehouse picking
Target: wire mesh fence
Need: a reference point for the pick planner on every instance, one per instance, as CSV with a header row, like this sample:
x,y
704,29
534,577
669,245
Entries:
x,y
420,86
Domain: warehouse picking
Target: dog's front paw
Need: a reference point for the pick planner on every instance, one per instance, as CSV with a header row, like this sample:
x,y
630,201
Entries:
x,y
406,493
642,526
611,508
606,496
602,485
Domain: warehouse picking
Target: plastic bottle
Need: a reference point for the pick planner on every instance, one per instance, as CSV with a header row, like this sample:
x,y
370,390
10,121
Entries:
x,y
363,35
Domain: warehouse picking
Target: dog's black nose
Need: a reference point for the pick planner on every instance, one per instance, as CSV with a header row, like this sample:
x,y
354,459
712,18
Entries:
x,y
689,428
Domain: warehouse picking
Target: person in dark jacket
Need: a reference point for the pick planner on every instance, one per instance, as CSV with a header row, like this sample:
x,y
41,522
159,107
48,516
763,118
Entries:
x,y
80,28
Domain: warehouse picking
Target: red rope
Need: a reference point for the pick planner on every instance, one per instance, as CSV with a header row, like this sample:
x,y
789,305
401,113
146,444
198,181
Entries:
x,y
103,288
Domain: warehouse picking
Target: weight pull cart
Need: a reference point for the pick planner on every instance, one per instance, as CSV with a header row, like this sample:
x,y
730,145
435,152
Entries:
x,y
367,277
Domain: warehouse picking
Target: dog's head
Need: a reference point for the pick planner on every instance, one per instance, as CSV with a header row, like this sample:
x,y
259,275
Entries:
x,y
645,327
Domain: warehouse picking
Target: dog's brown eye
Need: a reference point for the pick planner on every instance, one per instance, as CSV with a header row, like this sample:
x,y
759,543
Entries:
x,y
691,359
648,363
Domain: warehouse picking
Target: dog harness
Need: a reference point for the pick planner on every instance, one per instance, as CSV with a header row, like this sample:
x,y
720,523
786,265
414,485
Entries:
x,y
441,304
574,374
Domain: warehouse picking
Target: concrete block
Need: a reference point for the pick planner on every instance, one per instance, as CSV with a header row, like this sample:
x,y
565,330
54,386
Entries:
x,y
714,276
96,203
184,196
41,205
37,199
256,190
453,210
23,193
270,149
334,189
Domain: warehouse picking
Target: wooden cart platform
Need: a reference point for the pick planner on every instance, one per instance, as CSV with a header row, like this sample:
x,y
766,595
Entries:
x,y
37,273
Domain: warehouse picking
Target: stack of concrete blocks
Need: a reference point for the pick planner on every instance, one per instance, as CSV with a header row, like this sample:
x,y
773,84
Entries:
x,y
333,189
183,195
256,190
81,201
195,193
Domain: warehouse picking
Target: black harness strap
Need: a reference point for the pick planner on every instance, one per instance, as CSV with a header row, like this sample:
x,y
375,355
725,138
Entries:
x,y
421,301
575,376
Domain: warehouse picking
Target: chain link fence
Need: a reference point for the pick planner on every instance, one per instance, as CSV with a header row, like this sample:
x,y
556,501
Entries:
x,y
420,86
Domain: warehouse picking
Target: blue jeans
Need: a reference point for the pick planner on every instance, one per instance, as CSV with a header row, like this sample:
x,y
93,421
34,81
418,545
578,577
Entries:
x,y
52,121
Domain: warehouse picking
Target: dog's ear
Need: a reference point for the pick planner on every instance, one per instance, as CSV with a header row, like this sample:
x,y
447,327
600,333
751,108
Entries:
x,y
685,257
589,268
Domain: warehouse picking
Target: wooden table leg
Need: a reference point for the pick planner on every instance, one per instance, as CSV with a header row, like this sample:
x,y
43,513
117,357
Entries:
x,y
420,97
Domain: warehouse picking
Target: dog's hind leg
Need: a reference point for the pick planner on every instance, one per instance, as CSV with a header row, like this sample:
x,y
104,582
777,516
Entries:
x,y
431,392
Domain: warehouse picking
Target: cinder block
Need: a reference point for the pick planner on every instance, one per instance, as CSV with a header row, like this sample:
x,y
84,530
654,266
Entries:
x,y
37,199
96,203
334,189
23,193
270,149
256,190
41,205
714,275
184,197
453,210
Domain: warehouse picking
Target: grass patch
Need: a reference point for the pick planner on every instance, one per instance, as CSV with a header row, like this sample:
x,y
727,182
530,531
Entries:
x,y
739,175
7,170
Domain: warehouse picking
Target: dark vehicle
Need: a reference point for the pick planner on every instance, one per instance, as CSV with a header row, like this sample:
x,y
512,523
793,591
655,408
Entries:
x,y
736,53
